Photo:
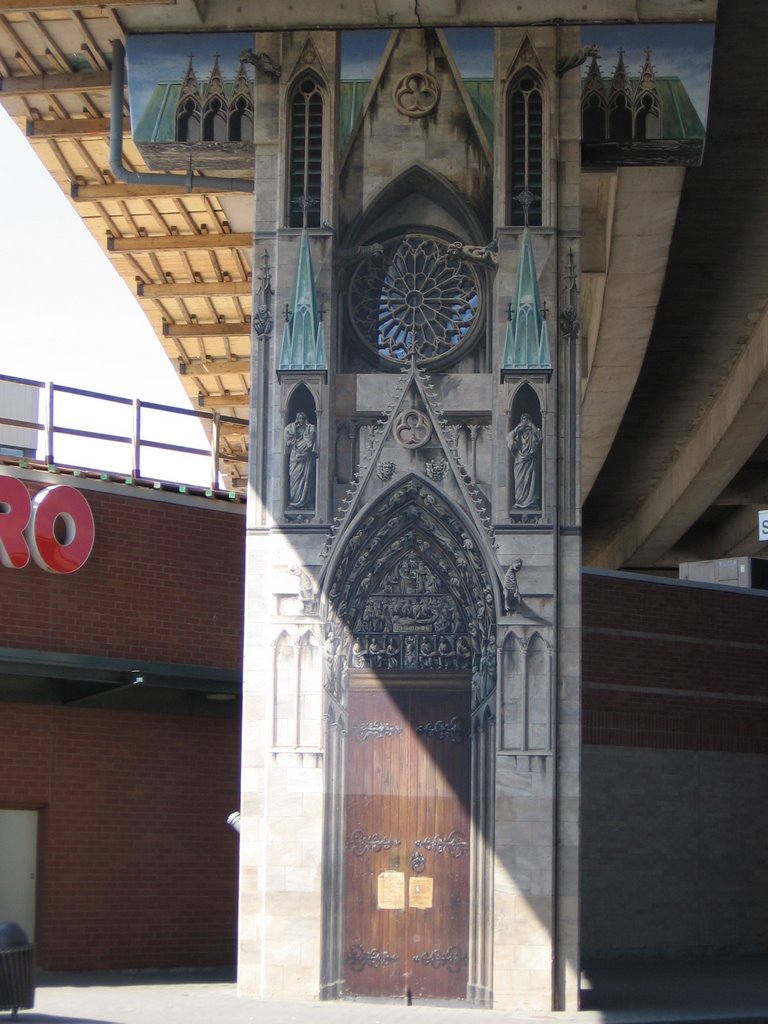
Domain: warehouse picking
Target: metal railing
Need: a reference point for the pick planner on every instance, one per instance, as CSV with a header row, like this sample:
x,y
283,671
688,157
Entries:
x,y
213,423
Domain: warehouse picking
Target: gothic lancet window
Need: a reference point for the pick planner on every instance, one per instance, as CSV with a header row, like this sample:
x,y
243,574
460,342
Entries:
x,y
240,115
215,107
241,120
188,121
526,148
305,156
189,108
214,122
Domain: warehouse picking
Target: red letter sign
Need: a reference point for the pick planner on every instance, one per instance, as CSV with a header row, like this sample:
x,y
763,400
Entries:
x,y
56,527
15,510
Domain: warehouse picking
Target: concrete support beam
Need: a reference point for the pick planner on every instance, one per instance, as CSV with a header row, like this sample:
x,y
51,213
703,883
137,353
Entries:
x,y
726,435
640,230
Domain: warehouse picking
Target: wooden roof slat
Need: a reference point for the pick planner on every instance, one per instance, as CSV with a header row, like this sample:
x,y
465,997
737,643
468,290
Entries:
x,y
227,240
119,190
50,41
89,41
70,127
205,368
45,84
50,5
223,401
191,289
23,50
62,161
79,145
197,330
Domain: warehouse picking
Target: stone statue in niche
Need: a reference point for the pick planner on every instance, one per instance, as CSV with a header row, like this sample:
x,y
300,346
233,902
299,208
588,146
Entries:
x,y
524,443
301,447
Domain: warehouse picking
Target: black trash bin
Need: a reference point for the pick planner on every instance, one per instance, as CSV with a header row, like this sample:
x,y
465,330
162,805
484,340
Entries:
x,y
17,969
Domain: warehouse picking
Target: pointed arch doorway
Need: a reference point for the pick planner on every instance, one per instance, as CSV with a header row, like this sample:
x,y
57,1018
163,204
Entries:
x,y
410,656
408,827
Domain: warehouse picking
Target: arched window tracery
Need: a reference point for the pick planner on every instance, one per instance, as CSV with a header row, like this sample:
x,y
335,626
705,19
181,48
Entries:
x,y
305,157
525,119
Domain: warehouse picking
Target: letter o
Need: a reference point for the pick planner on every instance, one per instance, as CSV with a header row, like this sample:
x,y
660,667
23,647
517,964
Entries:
x,y
70,507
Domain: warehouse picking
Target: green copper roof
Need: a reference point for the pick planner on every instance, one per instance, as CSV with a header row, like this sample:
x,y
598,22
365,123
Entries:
x,y
158,122
303,346
679,119
526,345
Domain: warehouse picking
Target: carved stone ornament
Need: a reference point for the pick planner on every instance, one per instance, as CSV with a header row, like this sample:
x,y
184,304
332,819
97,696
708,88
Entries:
x,y
410,593
416,94
306,590
416,298
437,469
511,587
385,470
412,429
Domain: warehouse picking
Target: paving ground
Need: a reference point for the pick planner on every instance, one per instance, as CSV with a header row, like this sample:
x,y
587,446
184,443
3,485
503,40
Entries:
x,y
640,992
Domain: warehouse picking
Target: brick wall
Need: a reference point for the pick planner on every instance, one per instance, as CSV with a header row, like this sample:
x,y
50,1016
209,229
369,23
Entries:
x,y
136,864
164,579
674,773
674,665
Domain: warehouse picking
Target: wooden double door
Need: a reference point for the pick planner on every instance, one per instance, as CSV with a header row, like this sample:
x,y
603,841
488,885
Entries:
x,y
407,832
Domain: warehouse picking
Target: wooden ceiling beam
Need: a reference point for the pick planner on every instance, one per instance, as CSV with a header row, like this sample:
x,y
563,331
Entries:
x,y
37,85
99,193
59,5
71,127
220,330
23,50
89,41
223,401
227,240
214,367
191,290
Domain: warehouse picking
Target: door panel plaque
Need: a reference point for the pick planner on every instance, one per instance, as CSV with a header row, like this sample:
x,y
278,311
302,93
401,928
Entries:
x,y
391,890
420,891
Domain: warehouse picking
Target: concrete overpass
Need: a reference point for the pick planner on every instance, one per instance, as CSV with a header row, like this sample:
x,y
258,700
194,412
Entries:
x,y
675,260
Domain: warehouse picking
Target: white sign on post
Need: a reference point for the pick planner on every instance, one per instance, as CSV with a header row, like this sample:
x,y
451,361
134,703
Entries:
x,y
762,525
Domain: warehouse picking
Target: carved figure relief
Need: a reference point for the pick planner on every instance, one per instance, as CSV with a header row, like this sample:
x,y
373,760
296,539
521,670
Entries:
x,y
410,593
511,587
524,443
301,448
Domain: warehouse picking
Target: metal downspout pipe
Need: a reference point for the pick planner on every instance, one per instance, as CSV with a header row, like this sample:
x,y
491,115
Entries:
x,y
189,180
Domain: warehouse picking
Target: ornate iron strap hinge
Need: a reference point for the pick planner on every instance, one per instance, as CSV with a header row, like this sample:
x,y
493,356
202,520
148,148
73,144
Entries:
x,y
361,843
375,731
454,844
357,958
453,958
442,730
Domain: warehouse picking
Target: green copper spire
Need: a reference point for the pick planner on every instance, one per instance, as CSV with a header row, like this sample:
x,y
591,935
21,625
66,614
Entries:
x,y
303,346
526,346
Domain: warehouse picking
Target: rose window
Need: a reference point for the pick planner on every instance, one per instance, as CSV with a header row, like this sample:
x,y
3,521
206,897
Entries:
x,y
413,297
